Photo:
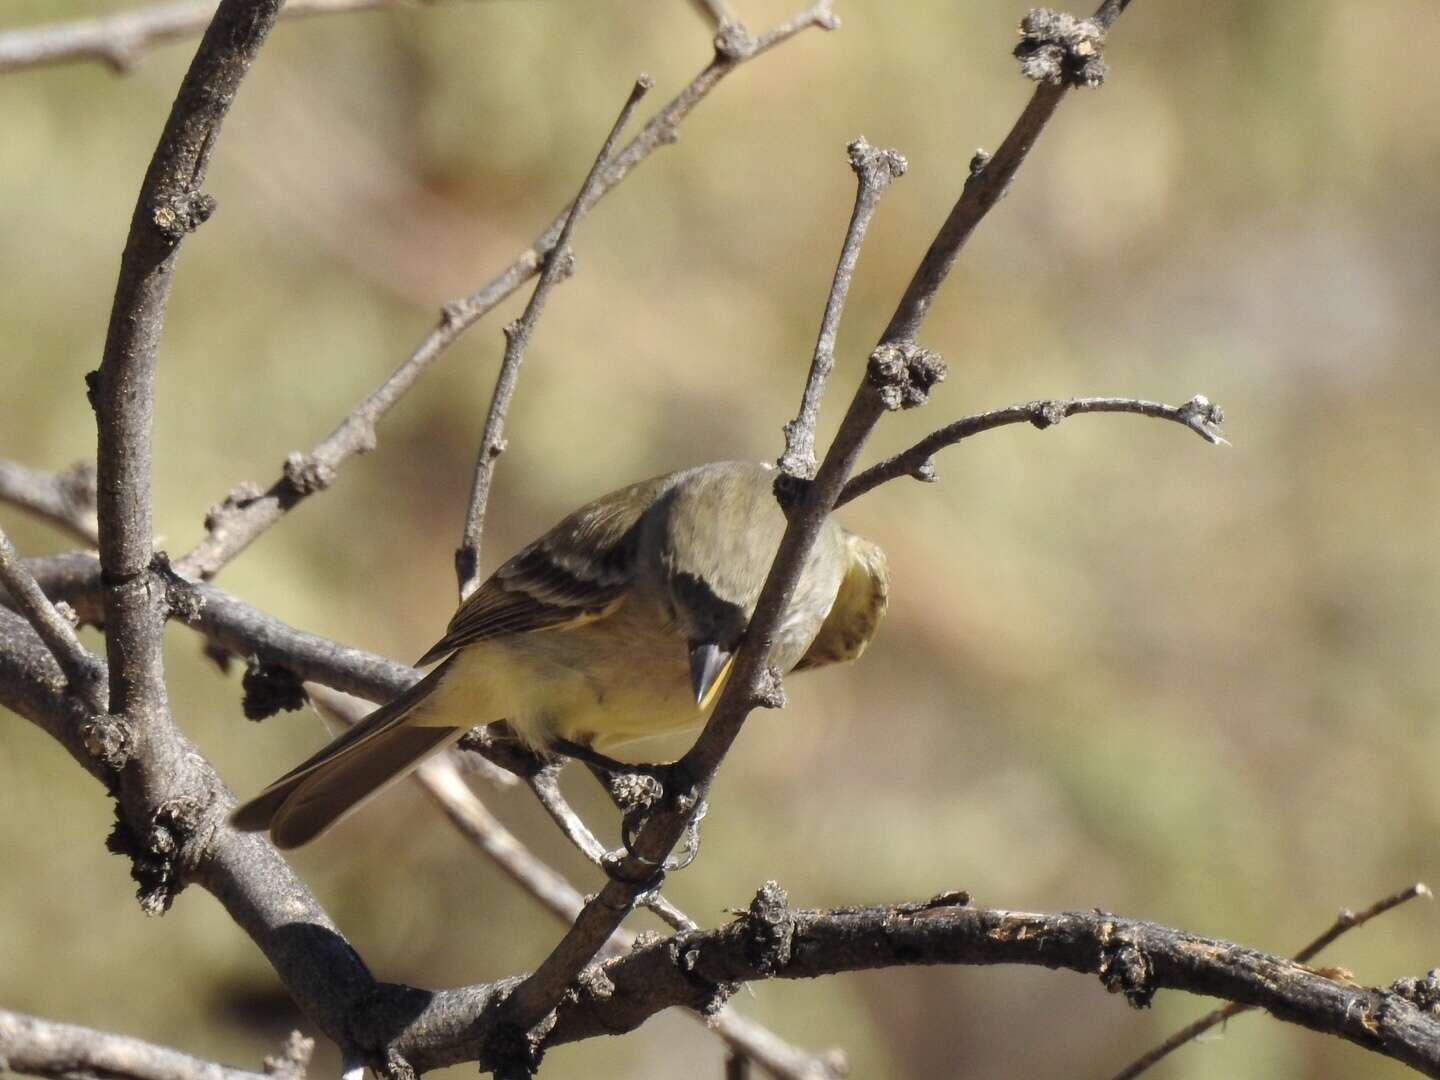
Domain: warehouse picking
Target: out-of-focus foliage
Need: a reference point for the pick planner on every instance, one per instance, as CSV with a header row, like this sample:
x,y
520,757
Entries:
x,y
1123,669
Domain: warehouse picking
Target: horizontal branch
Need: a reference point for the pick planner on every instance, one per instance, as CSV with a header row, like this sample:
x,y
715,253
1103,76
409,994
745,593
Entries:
x,y
1199,414
699,970
65,1051
65,499
120,40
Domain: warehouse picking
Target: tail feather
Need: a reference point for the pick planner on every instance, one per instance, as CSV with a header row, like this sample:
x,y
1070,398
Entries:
x,y
316,793
325,797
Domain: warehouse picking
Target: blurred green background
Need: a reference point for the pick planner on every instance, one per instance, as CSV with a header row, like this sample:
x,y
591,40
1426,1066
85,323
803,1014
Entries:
x,y
1123,669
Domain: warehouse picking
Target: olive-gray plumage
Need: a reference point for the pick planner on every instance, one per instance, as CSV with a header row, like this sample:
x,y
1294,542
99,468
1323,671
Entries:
x,y
613,628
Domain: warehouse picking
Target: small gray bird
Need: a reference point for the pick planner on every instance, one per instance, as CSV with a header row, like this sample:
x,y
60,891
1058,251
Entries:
x,y
616,626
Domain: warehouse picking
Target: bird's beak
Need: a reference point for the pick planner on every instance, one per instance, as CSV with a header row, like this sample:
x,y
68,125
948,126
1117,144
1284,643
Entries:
x,y
708,666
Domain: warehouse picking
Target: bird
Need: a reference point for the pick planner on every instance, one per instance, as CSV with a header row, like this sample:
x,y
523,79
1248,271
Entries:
x,y
617,626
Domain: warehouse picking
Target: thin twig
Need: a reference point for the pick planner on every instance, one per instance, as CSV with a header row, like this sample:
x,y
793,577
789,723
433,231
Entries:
x,y
65,499
83,670
1346,920
120,40
1199,414
249,511
39,1047
898,374
874,172
559,263
545,784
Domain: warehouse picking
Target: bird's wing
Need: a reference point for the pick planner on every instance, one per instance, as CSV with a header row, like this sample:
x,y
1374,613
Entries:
x,y
579,571
859,606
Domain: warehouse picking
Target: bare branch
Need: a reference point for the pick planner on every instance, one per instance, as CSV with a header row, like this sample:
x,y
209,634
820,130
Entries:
x,y
248,511
83,671
1346,920
899,375
874,171
1133,958
121,40
1199,414
65,499
170,205
559,264
39,1047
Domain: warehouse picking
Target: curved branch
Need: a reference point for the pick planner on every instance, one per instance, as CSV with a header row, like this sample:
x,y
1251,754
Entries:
x,y
170,205
1131,957
1199,414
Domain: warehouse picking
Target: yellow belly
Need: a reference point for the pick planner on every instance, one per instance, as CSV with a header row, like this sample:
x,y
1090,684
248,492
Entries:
x,y
606,684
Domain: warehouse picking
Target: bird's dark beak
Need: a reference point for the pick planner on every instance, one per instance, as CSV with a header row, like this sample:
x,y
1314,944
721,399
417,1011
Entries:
x,y
708,665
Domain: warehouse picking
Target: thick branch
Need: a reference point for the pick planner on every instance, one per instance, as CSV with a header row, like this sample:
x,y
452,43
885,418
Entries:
x,y
1131,957
1199,414
559,264
170,205
65,499
66,1052
120,40
248,512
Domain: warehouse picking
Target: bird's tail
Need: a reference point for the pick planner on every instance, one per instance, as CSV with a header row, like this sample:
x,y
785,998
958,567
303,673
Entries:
x,y
320,790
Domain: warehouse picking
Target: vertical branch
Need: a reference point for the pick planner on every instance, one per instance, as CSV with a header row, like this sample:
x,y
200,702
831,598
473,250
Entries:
x,y
874,170
170,205
559,264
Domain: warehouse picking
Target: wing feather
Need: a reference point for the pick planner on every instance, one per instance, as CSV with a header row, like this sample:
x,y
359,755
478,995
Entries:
x,y
577,572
